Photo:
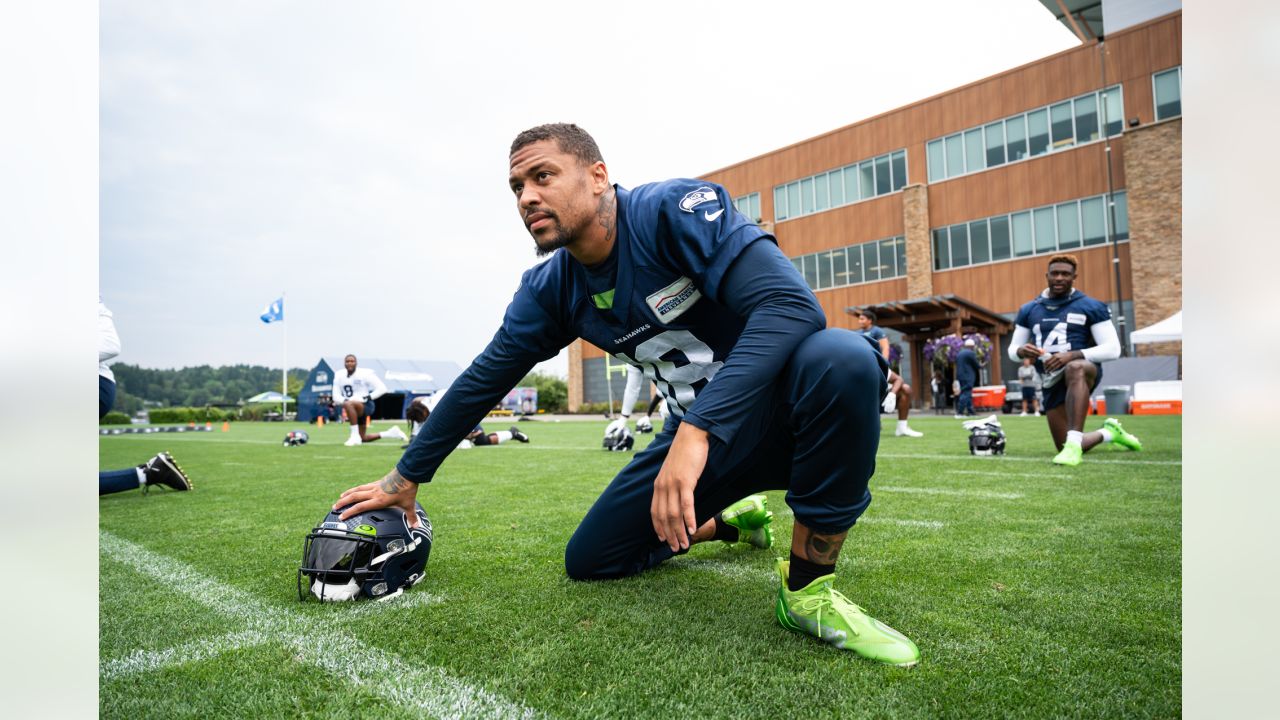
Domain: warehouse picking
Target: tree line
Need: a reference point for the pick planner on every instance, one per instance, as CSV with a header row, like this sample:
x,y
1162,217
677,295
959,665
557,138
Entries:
x,y
138,388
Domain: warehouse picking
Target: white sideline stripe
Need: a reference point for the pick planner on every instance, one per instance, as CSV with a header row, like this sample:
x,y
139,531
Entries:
x,y
988,473
429,690
1007,459
945,491
142,661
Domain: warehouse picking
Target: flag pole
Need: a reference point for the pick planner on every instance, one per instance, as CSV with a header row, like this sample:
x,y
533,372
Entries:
x,y
284,371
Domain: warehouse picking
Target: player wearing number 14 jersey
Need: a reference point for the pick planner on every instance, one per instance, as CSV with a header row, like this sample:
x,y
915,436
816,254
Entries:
x,y
670,278
1069,334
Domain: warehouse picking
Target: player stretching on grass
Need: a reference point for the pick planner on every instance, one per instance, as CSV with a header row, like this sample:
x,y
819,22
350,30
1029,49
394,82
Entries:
x,y
357,390
1073,335
671,278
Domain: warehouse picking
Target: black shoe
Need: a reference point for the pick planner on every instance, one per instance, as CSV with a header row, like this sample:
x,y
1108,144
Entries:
x,y
516,434
163,470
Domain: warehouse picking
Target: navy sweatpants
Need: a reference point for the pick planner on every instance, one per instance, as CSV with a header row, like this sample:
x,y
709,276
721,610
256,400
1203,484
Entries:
x,y
817,440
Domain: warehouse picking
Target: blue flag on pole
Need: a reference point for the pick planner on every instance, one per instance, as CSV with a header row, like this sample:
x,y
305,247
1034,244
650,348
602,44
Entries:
x,y
274,311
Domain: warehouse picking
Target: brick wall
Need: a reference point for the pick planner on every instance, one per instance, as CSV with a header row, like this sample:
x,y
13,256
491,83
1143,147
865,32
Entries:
x,y
1153,173
915,221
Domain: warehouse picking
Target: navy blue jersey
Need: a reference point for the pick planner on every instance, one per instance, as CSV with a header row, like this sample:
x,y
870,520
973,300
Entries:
x,y
1062,324
875,333
676,311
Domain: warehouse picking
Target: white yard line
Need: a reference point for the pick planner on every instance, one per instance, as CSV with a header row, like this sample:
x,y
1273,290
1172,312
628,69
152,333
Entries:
x,y
1089,460
947,491
428,690
142,661
988,473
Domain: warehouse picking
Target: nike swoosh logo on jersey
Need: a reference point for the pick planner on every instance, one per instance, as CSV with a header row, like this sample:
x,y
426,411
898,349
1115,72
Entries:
x,y
711,216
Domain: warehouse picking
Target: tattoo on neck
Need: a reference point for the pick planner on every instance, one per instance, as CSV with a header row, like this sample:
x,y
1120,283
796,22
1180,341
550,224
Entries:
x,y
607,214
393,483
823,549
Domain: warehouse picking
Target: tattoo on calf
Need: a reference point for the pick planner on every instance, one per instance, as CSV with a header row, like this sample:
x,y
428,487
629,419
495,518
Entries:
x,y
823,549
393,483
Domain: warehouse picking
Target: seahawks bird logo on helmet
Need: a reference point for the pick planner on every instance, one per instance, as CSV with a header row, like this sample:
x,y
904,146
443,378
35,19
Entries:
x,y
371,555
619,439
295,437
986,439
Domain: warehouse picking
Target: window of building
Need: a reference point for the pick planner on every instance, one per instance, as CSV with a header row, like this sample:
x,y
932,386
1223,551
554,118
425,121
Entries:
x,y
1063,125
865,262
855,264
749,205
824,270
889,259
937,161
1000,249
1064,226
1015,130
1068,225
899,162
871,261
979,242
901,252
1021,224
995,143
840,267
1086,109
1168,93
842,186
811,270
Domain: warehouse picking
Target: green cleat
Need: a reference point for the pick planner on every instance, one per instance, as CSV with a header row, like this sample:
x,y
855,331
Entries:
x,y
1071,455
752,520
1126,440
821,611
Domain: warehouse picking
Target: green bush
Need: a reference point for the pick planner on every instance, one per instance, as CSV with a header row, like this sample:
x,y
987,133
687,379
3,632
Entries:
x,y
553,392
179,415
114,418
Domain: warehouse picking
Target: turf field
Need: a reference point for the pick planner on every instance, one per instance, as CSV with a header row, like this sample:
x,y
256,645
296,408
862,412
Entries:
x,y
1032,590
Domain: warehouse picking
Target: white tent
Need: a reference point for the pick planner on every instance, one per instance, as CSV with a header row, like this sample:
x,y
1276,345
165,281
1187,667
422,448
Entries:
x,y
1167,330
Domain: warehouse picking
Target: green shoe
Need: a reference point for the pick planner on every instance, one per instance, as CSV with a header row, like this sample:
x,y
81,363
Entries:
x,y
1071,455
752,520
1126,440
821,611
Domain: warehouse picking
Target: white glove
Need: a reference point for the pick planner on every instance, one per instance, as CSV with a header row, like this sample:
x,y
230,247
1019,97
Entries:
x,y
616,426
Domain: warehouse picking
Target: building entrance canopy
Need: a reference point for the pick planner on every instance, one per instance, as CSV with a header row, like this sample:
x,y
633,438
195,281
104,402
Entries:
x,y
922,319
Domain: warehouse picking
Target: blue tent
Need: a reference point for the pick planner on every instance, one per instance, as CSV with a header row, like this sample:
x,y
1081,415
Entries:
x,y
405,380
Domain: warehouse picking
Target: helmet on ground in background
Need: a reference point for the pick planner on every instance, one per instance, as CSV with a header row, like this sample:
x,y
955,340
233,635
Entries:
x,y
619,439
295,437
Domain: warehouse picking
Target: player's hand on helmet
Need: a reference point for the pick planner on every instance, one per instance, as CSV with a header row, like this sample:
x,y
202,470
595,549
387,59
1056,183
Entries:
x,y
616,426
391,491
672,507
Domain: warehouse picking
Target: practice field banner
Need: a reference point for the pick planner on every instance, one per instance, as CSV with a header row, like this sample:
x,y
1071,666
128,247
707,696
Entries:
x,y
521,401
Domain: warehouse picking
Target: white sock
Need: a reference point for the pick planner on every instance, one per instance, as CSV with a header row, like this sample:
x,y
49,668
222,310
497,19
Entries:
x,y
902,425
355,431
1075,436
1106,435
142,476
416,428
503,436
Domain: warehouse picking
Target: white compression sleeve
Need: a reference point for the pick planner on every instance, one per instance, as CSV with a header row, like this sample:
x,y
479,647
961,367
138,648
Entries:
x,y
1020,337
1107,343
629,396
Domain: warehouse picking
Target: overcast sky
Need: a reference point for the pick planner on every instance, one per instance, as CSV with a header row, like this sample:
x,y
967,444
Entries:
x,y
355,154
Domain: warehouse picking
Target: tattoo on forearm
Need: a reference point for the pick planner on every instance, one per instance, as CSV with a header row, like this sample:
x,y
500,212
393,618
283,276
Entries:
x,y
823,549
393,483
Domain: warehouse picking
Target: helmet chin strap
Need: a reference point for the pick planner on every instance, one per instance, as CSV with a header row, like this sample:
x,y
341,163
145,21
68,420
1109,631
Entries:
x,y
330,592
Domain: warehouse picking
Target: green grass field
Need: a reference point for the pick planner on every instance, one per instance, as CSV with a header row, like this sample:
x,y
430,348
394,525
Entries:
x,y
1032,590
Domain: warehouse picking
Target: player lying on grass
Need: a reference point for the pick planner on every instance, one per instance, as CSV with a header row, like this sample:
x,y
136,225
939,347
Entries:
x,y
669,277
1073,336
357,390
420,409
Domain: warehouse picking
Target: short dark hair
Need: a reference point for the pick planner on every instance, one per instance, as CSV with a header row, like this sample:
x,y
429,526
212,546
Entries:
x,y
869,314
350,355
569,137
1068,259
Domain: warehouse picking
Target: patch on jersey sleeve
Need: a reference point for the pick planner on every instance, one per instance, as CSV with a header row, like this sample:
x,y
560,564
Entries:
x,y
1077,318
673,300
692,200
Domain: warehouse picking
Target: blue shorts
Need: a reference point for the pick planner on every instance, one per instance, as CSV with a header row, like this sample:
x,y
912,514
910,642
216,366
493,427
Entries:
x,y
1056,395
367,411
106,396
1028,392
815,436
